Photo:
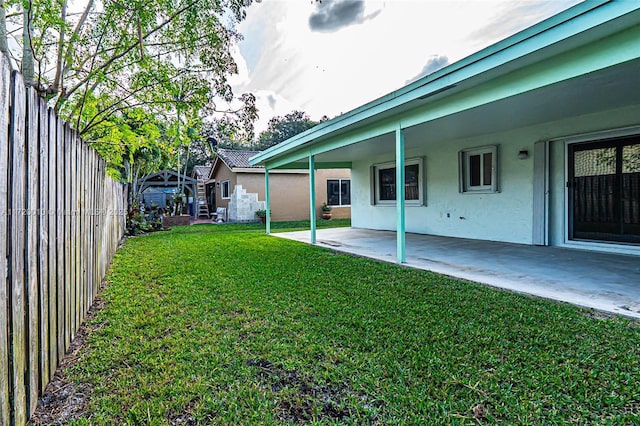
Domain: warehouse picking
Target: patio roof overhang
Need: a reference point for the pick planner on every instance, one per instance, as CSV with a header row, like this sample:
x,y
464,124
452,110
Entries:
x,y
581,61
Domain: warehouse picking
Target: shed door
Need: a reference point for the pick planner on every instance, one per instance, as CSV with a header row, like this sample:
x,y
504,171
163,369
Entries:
x,y
604,190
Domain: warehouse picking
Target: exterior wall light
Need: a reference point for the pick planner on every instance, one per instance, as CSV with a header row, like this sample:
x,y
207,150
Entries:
x,y
523,154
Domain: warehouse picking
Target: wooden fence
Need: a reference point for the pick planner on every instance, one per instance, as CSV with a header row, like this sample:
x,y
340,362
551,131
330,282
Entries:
x,y
61,218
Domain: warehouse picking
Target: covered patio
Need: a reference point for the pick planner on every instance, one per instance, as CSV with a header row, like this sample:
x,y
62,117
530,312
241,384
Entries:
x,y
603,281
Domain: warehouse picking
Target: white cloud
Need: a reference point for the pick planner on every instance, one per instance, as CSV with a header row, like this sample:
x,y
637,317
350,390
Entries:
x,y
242,77
270,104
334,72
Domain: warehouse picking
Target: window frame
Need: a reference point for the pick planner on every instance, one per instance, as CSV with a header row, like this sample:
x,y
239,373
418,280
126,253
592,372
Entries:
x,y
419,161
340,180
222,185
464,174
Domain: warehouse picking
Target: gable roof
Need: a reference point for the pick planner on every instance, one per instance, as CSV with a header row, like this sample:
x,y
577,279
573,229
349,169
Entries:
x,y
237,160
201,172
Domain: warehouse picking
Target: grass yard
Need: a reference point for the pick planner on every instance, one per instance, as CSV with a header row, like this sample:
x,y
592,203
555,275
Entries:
x,y
225,325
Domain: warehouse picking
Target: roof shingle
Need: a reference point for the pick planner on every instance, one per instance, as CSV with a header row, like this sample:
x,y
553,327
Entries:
x,y
202,172
237,158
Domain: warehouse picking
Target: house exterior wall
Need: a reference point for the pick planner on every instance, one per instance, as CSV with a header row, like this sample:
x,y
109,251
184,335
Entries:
x,y
221,174
322,175
503,216
290,192
448,212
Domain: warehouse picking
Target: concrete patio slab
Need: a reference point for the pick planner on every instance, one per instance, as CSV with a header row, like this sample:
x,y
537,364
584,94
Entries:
x,y
603,281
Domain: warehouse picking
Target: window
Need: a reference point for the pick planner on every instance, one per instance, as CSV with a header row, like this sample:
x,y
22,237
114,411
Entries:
x,y
478,169
338,192
384,182
225,189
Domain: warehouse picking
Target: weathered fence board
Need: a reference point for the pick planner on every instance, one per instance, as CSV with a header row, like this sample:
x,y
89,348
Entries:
x,y
5,86
53,251
31,249
18,205
61,218
61,278
68,261
17,248
43,248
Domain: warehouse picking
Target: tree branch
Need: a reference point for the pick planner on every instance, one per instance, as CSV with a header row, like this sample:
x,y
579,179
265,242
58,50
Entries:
x,y
132,46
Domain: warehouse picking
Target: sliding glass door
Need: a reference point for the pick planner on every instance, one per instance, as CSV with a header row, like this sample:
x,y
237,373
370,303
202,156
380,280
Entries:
x,y
604,190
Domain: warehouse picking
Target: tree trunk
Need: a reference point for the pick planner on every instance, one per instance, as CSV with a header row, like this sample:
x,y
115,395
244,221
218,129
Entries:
x,y
4,45
28,63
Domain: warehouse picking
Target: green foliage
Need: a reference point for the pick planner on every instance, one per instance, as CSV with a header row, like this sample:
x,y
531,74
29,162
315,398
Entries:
x,y
131,141
117,65
283,128
225,325
140,222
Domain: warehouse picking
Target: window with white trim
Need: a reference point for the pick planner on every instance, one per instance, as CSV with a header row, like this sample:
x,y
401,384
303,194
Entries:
x,y
479,170
384,182
225,189
339,192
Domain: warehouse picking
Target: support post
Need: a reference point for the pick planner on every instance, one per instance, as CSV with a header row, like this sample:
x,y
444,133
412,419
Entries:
x,y
267,200
400,196
312,197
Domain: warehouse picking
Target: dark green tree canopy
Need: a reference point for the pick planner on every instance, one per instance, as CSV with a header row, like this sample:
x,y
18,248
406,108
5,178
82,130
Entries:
x,y
102,63
283,128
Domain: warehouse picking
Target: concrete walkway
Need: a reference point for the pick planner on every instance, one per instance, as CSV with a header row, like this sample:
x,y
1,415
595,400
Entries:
x,y
608,282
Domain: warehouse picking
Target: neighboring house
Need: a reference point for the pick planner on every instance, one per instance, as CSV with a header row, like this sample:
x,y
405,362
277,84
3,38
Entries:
x,y
201,172
533,140
236,180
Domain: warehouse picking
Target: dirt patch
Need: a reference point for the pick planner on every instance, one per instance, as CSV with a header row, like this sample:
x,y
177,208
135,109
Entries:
x,y
64,400
185,417
301,399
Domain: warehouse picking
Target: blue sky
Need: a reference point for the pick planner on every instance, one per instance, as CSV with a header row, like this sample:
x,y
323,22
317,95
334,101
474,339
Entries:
x,y
331,57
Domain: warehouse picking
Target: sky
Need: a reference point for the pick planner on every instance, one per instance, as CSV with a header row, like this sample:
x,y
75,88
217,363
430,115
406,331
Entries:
x,y
331,57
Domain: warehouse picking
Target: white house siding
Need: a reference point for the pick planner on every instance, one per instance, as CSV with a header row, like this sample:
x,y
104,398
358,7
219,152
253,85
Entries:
x,y
504,216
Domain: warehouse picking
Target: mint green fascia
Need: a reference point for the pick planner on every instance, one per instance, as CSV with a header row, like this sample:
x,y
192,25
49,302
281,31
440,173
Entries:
x,y
400,196
354,136
614,50
583,17
319,165
312,197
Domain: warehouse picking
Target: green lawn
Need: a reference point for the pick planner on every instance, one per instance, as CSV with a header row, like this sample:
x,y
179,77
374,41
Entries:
x,y
225,325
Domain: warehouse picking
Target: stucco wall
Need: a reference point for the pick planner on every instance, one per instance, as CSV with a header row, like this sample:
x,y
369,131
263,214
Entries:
x,y
338,212
290,192
503,216
221,174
